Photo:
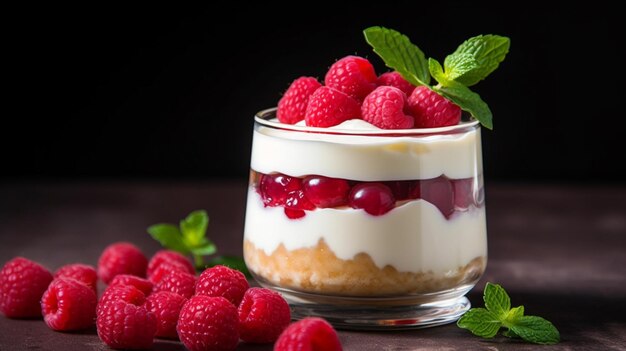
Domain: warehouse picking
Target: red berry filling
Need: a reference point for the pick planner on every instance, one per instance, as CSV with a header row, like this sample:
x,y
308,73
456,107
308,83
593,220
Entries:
x,y
297,195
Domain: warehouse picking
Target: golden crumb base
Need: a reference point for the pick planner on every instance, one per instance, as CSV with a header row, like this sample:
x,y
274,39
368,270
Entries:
x,y
317,270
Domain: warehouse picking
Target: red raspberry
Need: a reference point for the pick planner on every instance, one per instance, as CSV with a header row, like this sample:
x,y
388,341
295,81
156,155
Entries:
x,y
166,307
166,268
126,293
169,256
22,282
329,107
68,305
310,334
121,258
326,192
83,273
275,188
352,75
384,107
292,106
395,79
124,325
432,110
263,315
142,284
375,198
208,323
222,281
178,282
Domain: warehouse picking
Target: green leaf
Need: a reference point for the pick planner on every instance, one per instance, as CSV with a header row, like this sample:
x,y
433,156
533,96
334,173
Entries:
x,y
232,262
169,236
497,301
476,58
536,330
205,250
436,71
194,227
510,334
514,314
480,322
399,53
468,101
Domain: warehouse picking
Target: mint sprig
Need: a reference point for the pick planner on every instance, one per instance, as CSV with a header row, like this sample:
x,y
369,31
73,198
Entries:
x,y
486,322
472,62
189,238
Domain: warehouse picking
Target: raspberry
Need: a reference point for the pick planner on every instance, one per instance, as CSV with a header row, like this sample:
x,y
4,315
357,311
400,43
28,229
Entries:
x,y
375,198
168,256
311,334
292,106
208,323
124,325
121,258
68,304
438,191
275,188
329,107
432,110
178,282
384,107
263,315
22,282
352,75
326,192
166,307
83,273
126,293
395,79
165,268
222,281
126,279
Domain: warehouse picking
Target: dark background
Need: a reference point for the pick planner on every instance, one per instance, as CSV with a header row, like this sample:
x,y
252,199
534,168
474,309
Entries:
x,y
162,92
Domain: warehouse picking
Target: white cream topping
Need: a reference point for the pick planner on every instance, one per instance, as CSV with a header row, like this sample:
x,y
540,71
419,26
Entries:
x,y
366,157
414,237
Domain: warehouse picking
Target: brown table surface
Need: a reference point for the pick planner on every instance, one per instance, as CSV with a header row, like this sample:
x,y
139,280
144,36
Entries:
x,y
557,249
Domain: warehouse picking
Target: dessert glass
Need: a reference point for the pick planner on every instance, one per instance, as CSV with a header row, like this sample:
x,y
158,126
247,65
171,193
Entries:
x,y
409,267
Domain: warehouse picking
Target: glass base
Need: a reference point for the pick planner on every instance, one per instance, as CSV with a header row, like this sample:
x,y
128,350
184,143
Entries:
x,y
365,314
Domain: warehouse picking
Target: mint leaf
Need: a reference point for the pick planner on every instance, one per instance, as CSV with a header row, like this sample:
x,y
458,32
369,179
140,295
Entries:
x,y
514,314
536,330
194,227
204,250
480,322
476,58
399,53
510,334
436,71
485,322
232,262
468,101
497,301
169,236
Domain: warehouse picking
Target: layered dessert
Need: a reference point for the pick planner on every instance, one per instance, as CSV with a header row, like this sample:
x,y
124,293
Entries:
x,y
315,221
370,186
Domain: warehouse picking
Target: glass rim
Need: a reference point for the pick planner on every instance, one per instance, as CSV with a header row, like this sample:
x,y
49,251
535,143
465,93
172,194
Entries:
x,y
263,117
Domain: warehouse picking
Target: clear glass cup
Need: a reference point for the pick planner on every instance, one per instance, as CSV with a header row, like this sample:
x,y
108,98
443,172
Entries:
x,y
345,249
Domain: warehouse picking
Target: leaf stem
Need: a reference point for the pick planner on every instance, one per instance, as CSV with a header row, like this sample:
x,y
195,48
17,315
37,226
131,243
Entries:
x,y
199,262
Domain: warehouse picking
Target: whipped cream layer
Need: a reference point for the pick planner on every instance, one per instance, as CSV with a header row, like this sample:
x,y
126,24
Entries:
x,y
414,237
456,154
